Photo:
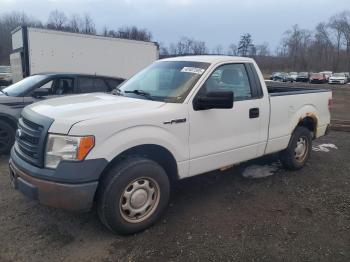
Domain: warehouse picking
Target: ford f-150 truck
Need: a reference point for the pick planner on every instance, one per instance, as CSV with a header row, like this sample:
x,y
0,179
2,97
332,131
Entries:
x,y
177,118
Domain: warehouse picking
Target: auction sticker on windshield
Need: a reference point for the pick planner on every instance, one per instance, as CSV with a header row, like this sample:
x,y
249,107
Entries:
x,y
193,70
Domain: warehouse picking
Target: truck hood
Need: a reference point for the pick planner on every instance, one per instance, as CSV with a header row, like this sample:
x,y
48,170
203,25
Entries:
x,y
67,111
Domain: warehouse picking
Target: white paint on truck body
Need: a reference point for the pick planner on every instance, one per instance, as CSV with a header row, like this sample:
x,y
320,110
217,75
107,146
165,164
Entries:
x,y
208,140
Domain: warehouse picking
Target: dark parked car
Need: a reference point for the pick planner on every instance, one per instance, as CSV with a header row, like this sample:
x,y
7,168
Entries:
x,y
282,77
318,78
43,86
303,77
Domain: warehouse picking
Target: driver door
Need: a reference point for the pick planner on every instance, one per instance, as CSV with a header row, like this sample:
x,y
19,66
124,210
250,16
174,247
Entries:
x,y
221,137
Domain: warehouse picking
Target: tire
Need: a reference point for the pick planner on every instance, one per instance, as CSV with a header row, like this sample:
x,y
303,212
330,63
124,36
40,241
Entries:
x,y
7,137
298,151
133,195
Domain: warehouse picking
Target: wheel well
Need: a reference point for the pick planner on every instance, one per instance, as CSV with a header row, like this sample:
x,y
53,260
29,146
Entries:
x,y
157,153
9,120
310,123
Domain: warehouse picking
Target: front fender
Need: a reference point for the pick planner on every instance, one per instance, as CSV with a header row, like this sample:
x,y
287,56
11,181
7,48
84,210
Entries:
x,y
130,137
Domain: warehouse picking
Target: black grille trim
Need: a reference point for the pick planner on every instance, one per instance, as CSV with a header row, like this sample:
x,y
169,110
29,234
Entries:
x,y
31,137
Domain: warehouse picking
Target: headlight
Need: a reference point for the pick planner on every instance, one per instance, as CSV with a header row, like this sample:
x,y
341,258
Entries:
x,y
61,147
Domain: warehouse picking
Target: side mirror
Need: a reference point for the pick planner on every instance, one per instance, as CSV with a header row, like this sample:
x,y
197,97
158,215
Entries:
x,y
221,100
40,92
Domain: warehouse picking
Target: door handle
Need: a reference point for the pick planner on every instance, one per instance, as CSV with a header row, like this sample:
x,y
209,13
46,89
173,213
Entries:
x,y
254,112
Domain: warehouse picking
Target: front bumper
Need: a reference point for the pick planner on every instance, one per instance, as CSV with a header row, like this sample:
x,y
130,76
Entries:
x,y
317,81
77,196
336,81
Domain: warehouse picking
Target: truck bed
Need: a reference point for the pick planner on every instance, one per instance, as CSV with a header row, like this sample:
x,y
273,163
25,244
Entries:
x,y
285,91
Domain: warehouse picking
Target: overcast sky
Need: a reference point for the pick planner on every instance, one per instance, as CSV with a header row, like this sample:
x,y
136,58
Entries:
x,y
215,22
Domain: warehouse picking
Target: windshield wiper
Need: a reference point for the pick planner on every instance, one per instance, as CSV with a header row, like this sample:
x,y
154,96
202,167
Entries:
x,y
139,92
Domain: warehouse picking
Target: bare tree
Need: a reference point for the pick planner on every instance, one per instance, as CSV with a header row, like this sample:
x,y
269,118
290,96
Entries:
x,y
321,50
263,49
163,50
105,31
335,23
88,25
297,42
218,50
134,33
345,29
75,23
199,48
8,22
232,50
57,20
245,44
188,46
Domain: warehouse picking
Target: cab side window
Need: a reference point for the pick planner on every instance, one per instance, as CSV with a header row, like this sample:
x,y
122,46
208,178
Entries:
x,y
100,85
64,86
229,77
86,85
92,84
48,86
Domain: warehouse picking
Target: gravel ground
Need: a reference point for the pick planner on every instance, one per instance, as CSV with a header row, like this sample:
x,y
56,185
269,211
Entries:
x,y
220,216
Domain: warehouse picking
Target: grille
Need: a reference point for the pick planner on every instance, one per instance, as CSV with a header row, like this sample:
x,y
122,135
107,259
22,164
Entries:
x,y
27,143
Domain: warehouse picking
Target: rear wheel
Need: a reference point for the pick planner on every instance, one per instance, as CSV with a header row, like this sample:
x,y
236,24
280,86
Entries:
x,y
133,195
298,151
7,137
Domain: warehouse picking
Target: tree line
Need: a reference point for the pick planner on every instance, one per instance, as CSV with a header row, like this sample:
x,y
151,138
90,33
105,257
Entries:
x,y
327,47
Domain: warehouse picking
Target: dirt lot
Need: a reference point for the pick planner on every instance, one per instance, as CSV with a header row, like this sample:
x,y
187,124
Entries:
x,y
221,216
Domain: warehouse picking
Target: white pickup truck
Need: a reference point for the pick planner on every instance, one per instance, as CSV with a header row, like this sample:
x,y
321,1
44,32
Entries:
x,y
177,118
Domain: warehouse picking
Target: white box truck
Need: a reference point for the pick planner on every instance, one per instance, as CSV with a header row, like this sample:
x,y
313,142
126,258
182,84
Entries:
x,y
36,50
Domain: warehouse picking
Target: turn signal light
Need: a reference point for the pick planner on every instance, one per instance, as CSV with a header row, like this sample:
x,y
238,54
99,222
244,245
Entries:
x,y
85,145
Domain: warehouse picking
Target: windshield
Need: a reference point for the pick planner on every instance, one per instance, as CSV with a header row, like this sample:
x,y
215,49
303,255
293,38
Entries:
x,y
303,74
21,87
5,69
168,81
317,75
339,74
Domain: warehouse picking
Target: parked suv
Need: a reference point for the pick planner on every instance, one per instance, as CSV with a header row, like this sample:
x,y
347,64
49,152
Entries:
x,y
42,86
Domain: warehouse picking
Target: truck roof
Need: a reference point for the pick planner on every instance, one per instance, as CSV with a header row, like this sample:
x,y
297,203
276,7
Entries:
x,y
209,58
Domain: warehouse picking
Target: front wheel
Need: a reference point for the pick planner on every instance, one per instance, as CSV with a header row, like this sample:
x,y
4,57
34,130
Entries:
x,y
298,151
133,195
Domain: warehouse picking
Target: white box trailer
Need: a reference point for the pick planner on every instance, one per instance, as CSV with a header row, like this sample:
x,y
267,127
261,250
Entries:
x,y
36,50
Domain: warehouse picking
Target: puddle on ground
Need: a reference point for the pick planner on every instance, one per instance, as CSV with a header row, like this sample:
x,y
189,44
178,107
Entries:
x,y
257,171
324,147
